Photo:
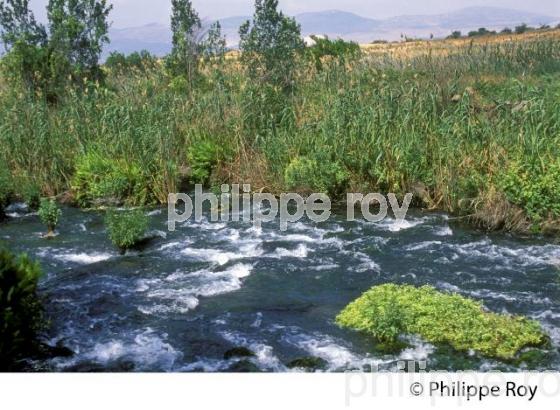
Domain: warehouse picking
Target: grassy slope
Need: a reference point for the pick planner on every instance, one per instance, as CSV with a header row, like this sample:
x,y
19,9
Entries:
x,y
472,128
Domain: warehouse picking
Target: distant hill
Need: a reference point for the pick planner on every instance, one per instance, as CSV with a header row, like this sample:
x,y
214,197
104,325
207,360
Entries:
x,y
156,38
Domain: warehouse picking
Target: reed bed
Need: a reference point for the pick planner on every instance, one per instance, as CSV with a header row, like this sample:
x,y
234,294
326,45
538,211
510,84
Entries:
x,y
462,127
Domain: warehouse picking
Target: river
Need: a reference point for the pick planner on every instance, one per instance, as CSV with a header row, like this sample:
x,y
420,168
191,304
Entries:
x,y
194,294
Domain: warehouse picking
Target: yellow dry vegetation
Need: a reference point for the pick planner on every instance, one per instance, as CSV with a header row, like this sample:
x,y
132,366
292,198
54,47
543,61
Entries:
x,y
442,48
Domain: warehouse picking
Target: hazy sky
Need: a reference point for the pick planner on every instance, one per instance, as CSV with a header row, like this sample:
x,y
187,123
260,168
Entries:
x,y
137,12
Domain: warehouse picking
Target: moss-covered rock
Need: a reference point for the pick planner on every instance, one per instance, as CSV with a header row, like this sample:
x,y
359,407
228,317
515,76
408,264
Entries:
x,y
244,366
389,310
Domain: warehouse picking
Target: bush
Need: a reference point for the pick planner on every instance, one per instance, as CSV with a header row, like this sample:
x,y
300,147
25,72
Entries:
x,y
140,61
481,32
202,157
338,49
21,316
31,195
316,176
6,189
49,214
455,35
270,44
535,187
523,28
99,180
441,318
127,229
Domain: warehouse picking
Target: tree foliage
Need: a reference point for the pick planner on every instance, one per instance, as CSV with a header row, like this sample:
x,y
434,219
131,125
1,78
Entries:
x,y
270,44
78,29
45,60
187,35
214,45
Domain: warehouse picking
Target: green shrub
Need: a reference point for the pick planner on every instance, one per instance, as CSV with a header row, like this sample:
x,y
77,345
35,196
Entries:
x,y
455,35
441,318
179,85
31,195
480,32
121,64
100,179
20,310
522,28
6,189
127,229
202,158
50,213
317,176
338,49
533,186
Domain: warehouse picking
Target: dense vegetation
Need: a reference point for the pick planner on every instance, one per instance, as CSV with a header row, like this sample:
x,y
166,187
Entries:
x,y
127,228
473,132
21,316
388,311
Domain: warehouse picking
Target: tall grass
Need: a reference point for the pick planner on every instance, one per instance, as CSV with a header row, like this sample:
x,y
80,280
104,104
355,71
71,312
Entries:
x,y
447,124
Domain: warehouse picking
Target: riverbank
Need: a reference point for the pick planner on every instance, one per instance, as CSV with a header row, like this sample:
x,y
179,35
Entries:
x,y
474,133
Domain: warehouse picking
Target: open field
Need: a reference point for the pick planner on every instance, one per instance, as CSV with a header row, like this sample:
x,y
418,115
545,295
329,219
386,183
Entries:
x,y
414,48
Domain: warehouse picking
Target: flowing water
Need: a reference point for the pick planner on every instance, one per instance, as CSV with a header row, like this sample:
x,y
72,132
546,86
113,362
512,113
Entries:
x,y
190,296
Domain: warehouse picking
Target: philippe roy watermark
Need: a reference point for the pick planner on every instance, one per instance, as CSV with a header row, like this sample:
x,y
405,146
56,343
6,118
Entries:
x,y
237,203
412,380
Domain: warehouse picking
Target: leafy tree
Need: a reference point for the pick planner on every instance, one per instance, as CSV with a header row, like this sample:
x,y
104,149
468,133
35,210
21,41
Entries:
x,y
187,33
139,61
18,23
214,46
270,44
25,42
523,28
43,59
78,30
455,35
338,49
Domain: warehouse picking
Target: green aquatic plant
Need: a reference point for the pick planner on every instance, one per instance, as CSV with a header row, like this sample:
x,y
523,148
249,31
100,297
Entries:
x,y
31,195
21,317
100,179
49,213
127,229
389,310
534,186
6,189
202,158
316,175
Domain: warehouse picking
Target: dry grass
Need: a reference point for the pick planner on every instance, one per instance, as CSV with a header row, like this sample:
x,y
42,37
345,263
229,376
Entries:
x,y
443,48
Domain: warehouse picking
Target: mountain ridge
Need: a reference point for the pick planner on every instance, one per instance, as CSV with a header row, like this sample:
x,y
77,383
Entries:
x,y
156,37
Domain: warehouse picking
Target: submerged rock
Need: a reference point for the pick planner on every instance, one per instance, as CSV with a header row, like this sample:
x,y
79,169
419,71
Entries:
x,y
309,363
244,366
238,352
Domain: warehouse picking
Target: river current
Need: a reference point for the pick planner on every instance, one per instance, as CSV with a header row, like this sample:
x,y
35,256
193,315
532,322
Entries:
x,y
190,296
